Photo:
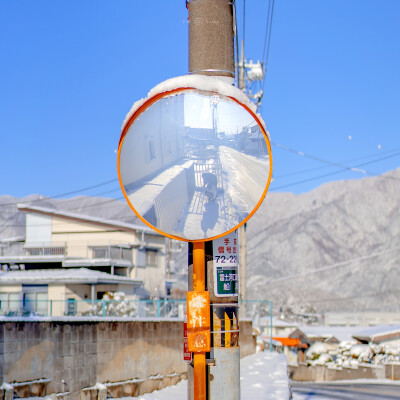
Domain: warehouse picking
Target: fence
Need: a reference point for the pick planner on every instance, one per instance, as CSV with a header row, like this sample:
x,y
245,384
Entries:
x,y
211,168
161,308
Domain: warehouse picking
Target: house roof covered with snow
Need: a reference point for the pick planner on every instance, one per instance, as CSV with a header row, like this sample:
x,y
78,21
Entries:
x,y
63,276
277,323
341,333
86,218
378,333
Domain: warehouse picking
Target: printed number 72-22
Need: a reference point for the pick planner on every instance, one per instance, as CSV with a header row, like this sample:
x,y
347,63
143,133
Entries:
x,y
223,259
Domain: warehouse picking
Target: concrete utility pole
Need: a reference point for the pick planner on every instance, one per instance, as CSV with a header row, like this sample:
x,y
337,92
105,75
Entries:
x,y
211,52
211,48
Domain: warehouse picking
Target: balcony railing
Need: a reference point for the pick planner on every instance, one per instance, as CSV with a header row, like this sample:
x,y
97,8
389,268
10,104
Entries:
x,y
46,251
116,252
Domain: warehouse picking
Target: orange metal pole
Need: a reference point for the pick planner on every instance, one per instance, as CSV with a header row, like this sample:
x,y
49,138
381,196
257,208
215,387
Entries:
x,y
199,381
199,267
199,285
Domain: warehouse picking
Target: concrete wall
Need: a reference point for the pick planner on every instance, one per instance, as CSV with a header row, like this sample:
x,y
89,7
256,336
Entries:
x,y
322,373
392,371
68,355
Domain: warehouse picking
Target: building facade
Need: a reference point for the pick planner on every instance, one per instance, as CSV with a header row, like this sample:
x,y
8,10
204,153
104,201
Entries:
x,y
128,257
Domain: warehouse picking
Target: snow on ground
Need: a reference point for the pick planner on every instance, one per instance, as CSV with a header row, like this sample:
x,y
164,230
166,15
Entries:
x,y
247,177
263,376
349,354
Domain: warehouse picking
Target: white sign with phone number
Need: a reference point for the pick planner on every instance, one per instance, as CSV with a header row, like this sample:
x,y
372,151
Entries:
x,y
226,250
225,254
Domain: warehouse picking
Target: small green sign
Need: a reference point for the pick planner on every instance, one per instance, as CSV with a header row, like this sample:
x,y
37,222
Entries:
x,y
227,281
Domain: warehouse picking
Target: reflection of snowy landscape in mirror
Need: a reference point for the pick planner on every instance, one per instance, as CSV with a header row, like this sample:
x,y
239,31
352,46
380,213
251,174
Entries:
x,y
194,166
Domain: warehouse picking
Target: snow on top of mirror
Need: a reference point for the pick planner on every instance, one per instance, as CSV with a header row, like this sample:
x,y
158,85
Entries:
x,y
200,82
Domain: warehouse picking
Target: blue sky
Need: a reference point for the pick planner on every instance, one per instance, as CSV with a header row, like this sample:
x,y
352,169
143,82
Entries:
x,y
70,71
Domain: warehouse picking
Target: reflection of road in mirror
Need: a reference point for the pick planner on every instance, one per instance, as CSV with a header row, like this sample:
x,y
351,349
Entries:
x,y
210,216
189,202
204,217
245,178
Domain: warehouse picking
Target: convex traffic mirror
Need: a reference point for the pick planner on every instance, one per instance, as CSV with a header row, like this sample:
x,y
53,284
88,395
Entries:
x,y
194,164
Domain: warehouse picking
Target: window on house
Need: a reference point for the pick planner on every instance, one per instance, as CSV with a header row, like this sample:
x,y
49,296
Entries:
x,y
35,299
71,307
9,303
100,295
151,150
151,257
35,303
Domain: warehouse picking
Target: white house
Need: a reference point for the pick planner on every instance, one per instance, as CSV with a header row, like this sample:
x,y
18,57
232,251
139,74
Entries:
x,y
55,240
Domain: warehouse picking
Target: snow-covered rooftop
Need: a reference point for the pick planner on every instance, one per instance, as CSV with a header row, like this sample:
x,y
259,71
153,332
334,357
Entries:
x,y
86,218
63,275
12,239
277,323
342,333
373,333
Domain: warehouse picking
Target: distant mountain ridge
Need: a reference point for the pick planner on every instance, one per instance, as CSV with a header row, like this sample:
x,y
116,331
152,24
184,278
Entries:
x,y
289,238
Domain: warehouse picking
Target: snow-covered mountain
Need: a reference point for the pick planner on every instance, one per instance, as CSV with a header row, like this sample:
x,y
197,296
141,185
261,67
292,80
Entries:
x,y
292,236
334,248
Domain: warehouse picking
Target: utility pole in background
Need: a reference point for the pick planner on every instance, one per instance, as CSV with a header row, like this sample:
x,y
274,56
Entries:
x,y
211,52
242,229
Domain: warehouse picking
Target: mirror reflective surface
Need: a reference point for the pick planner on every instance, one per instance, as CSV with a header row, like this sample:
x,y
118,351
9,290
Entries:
x,y
194,165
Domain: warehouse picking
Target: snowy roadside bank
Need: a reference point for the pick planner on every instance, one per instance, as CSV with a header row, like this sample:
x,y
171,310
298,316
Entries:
x,y
263,376
349,382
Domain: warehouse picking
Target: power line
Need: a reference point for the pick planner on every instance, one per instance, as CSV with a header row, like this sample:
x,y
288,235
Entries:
x,y
244,22
97,204
63,194
79,209
272,189
267,41
338,172
268,26
327,166
334,164
332,266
